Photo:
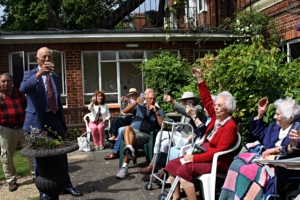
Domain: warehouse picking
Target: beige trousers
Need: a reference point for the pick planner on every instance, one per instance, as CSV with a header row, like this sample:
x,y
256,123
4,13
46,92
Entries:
x,y
9,139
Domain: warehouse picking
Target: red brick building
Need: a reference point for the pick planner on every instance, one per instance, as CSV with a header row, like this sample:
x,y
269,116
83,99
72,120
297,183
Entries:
x,y
106,59
286,14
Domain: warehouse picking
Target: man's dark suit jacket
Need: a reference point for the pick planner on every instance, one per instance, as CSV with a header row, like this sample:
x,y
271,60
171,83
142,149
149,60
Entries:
x,y
37,99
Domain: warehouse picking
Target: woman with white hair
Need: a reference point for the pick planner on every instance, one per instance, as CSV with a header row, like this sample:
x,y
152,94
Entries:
x,y
221,134
246,179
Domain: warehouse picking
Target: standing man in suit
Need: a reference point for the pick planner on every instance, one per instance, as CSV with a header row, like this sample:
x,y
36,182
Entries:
x,y
44,108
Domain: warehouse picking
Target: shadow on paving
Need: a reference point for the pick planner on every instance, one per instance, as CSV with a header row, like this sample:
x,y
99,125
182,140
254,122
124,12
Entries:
x,y
96,177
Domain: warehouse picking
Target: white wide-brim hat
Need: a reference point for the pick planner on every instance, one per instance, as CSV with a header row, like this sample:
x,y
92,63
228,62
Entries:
x,y
132,91
188,95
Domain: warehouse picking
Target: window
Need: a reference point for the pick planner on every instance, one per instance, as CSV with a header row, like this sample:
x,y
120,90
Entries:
x,y
202,6
113,72
292,48
17,67
201,53
19,64
263,4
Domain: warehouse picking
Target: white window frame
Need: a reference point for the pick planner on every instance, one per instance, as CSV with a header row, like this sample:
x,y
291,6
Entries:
x,y
204,50
204,6
117,61
11,61
288,49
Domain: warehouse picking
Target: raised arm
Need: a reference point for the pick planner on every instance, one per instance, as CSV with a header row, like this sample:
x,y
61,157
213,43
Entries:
x,y
204,93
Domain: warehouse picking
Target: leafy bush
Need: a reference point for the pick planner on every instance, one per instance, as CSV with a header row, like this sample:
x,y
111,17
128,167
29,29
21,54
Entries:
x,y
251,72
251,23
166,71
73,133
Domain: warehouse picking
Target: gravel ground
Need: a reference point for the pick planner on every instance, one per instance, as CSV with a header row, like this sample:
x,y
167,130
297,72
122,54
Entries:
x,y
26,190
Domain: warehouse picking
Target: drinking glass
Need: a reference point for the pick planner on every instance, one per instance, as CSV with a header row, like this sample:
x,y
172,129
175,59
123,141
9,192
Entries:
x,y
297,128
52,63
122,103
2,97
166,90
190,103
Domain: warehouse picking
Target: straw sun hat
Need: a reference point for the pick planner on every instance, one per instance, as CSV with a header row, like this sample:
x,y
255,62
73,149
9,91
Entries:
x,y
132,91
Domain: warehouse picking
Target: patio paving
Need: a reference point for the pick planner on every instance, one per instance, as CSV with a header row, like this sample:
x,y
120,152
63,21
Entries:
x,y
96,178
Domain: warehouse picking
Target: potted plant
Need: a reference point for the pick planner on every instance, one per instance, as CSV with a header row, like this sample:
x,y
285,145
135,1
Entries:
x,y
50,153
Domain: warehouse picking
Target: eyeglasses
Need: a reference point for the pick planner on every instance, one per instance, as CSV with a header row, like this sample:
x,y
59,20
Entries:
x,y
219,105
151,98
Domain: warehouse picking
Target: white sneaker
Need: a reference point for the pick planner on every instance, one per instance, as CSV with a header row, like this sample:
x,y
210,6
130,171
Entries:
x,y
129,152
122,173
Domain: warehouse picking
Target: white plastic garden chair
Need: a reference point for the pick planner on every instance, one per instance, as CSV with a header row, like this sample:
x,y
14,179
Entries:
x,y
209,180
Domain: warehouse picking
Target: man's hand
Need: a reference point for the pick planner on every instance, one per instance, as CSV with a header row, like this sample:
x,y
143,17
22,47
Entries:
x,y
139,100
152,108
2,97
262,107
47,68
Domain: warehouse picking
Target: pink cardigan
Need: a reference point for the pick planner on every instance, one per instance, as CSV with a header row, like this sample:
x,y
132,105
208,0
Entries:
x,y
225,137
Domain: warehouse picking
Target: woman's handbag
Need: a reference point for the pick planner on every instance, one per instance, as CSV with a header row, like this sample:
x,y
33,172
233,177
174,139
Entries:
x,y
84,142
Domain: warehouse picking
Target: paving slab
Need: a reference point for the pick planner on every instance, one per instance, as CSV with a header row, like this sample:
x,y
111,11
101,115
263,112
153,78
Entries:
x,y
96,178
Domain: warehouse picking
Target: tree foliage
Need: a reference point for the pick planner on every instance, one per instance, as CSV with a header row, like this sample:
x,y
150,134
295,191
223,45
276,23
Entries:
x,y
33,15
24,15
166,71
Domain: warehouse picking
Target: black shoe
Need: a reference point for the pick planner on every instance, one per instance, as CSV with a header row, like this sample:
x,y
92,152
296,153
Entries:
x,y
72,191
112,141
43,196
167,185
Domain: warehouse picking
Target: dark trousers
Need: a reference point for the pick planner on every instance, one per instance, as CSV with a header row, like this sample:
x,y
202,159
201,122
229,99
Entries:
x,y
118,122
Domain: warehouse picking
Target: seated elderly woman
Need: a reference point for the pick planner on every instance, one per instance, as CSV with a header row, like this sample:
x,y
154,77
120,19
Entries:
x,y
221,134
201,126
246,179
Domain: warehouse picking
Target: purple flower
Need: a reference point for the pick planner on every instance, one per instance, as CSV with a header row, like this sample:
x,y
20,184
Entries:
x,y
298,27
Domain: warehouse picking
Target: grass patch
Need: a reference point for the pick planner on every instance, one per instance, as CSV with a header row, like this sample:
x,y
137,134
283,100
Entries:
x,y
21,165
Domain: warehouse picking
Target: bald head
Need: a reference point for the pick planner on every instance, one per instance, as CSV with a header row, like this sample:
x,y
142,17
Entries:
x,y
147,91
43,55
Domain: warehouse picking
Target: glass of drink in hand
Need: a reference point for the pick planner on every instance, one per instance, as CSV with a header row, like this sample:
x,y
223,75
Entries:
x,y
166,90
2,97
190,103
122,103
297,128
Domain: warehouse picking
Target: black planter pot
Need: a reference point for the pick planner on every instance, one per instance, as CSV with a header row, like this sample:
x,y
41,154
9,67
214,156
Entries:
x,y
52,163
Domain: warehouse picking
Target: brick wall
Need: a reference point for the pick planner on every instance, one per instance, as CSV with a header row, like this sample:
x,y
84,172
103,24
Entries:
x,y
140,22
285,13
73,59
